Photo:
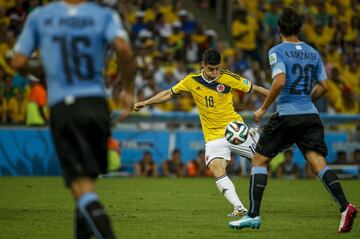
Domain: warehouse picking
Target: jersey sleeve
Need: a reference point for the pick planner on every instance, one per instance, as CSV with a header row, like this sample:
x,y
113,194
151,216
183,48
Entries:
x,y
182,86
238,82
115,28
28,39
277,64
320,71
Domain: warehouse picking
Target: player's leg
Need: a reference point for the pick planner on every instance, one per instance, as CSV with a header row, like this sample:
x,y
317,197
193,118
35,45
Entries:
x,y
270,142
258,172
82,230
217,167
312,145
258,181
333,186
70,130
90,209
217,157
96,141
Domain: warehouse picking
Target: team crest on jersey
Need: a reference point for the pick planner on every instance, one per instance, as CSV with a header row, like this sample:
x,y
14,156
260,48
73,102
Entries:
x,y
220,88
272,58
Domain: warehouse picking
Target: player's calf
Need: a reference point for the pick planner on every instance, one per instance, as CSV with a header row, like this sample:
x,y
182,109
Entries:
x,y
95,216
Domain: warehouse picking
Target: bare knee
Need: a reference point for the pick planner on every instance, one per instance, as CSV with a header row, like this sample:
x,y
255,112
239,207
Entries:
x,y
81,186
260,160
217,167
316,161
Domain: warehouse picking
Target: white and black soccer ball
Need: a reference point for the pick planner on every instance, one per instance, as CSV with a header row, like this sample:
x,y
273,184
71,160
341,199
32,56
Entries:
x,y
236,132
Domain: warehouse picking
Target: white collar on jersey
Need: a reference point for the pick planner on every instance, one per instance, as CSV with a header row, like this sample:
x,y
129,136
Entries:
x,y
292,42
208,81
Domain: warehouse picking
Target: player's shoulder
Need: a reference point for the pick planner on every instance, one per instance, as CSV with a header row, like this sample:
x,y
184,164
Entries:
x,y
193,74
276,52
310,48
40,10
227,74
98,7
50,7
279,48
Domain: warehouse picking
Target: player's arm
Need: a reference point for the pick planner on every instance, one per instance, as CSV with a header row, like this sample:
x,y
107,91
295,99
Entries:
x,y
126,63
26,44
260,90
319,90
161,97
19,62
276,87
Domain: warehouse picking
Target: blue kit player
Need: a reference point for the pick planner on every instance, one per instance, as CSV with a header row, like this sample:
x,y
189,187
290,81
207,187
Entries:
x,y
73,38
295,67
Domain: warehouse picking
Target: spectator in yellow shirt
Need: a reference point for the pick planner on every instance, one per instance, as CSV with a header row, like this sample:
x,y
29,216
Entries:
x,y
345,14
349,103
352,30
244,30
17,107
351,77
320,38
334,94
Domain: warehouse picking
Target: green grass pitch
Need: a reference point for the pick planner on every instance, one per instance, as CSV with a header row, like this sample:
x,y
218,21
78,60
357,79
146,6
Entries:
x,y
40,207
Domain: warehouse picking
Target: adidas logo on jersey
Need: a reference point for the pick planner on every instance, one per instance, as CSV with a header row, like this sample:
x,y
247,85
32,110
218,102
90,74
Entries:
x,y
198,88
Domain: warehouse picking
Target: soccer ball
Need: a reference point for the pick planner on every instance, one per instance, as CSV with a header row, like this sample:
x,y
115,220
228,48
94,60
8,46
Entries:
x,y
236,132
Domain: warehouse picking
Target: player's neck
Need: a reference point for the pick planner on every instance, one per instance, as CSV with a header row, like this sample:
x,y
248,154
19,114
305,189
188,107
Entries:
x,y
205,78
293,39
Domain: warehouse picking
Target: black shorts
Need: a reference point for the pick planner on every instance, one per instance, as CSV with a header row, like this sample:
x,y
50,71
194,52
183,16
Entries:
x,y
80,132
281,132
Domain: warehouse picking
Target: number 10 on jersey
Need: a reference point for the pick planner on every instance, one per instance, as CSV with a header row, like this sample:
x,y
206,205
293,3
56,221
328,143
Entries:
x,y
209,101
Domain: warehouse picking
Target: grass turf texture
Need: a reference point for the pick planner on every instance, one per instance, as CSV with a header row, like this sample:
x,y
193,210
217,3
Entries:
x,y
40,207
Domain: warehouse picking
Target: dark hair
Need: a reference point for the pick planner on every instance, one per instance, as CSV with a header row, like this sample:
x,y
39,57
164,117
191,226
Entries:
x,y
212,57
289,22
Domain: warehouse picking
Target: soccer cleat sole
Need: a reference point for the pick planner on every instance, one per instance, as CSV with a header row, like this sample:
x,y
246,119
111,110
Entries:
x,y
256,226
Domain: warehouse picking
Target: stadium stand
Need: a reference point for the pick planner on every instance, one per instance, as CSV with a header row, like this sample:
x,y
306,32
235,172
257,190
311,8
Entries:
x,y
168,42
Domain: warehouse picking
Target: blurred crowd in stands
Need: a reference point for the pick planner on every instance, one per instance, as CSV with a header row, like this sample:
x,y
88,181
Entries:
x,y
283,166
168,43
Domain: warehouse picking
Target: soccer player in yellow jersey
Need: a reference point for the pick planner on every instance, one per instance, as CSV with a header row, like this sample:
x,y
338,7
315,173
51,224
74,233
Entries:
x,y
211,90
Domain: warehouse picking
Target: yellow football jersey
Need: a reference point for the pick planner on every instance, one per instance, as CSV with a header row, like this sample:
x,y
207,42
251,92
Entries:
x,y
214,100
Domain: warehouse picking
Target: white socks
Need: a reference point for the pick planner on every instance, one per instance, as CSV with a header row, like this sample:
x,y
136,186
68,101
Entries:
x,y
227,188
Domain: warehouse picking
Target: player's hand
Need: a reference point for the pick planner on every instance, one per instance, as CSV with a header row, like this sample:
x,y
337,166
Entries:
x,y
258,114
139,105
128,101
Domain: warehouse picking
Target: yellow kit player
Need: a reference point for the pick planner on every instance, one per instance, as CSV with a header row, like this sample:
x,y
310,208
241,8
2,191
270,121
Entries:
x,y
211,90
